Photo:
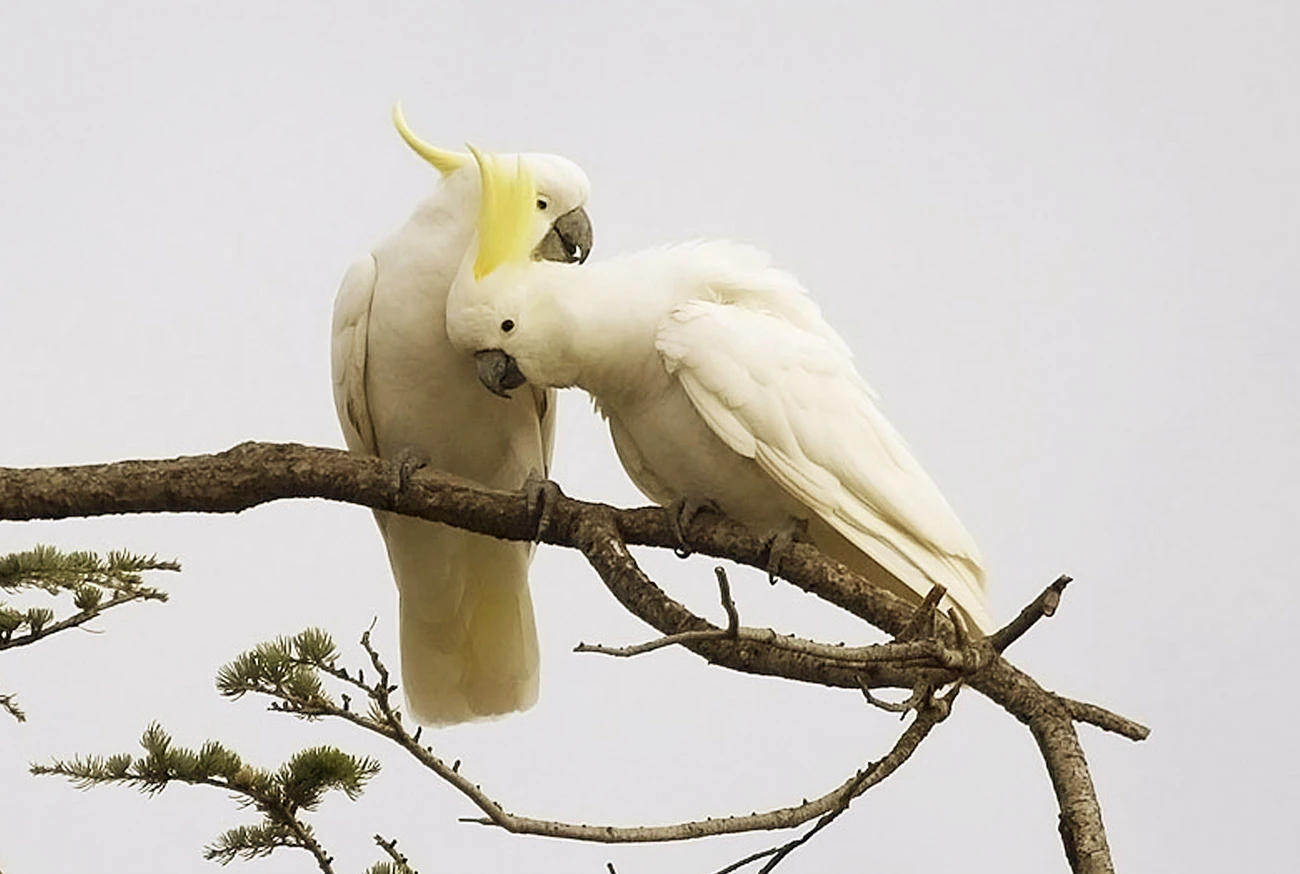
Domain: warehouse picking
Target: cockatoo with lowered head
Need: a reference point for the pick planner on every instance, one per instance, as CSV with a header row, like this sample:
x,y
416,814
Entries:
x,y
468,639
721,382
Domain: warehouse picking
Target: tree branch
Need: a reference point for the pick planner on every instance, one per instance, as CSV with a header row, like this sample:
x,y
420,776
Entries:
x,y
385,720
81,617
1105,719
254,473
1044,605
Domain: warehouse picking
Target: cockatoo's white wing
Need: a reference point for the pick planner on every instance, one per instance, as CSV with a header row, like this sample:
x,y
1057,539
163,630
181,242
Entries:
x,y
788,396
348,341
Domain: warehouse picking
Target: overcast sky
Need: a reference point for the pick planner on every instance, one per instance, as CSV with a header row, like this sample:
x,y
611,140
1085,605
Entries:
x,y
1060,237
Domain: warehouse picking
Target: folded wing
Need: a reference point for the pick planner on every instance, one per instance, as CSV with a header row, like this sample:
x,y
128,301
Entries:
x,y
786,394
348,352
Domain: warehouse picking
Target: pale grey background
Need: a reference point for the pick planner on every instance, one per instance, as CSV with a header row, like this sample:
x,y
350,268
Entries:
x,y
1061,238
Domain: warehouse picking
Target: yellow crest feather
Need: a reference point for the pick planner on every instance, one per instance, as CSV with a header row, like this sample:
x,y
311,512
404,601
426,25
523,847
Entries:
x,y
505,216
443,161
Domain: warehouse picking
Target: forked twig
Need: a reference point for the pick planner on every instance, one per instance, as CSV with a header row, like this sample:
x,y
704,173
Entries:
x,y
384,719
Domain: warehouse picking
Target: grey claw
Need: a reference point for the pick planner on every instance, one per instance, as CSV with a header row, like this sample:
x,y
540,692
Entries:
x,y
408,462
779,542
542,494
681,513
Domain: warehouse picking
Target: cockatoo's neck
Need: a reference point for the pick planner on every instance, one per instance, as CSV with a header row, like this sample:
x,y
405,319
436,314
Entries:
x,y
604,316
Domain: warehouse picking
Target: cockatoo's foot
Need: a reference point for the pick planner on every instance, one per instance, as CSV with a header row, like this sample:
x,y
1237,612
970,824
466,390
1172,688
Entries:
x,y
542,494
681,513
408,461
779,541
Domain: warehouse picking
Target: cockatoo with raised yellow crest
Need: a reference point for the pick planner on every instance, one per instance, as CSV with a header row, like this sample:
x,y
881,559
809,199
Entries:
x,y
468,639
722,384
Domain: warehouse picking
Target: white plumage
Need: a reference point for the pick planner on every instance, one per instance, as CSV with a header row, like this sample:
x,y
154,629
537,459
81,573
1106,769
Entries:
x,y
468,639
721,381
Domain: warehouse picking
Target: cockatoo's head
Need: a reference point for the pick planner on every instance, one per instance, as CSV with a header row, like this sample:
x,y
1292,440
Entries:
x,y
504,309
558,227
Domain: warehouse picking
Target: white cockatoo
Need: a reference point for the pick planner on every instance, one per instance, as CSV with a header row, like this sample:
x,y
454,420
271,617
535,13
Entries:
x,y
722,384
468,639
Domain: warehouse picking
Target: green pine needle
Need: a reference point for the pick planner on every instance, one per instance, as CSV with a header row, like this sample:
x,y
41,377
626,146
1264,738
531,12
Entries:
x,y
51,569
287,667
312,772
9,705
300,784
249,842
390,868
95,584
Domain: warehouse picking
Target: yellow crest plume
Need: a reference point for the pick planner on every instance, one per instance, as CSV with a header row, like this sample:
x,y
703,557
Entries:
x,y
445,162
505,216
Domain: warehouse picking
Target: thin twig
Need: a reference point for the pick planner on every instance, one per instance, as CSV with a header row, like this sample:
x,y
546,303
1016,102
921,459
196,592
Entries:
x,y
1104,719
724,592
1044,605
76,619
388,723
913,653
390,847
929,713
752,857
920,693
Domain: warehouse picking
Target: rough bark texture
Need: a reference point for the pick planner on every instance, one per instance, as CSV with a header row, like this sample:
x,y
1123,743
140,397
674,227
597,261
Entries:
x,y
255,473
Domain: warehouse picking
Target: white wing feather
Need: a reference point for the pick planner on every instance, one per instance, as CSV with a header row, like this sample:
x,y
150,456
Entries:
x,y
350,335
785,393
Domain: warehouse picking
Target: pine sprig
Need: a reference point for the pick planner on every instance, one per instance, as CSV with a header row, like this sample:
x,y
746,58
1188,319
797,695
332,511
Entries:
x,y
286,668
292,671
95,585
249,842
10,706
55,571
300,784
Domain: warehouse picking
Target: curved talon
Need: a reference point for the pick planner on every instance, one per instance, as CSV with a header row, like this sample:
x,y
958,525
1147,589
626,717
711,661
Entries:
x,y
408,462
542,495
681,513
779,542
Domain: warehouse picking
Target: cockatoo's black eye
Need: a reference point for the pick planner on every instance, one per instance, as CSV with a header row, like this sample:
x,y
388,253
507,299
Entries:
x,y
508,325
542,203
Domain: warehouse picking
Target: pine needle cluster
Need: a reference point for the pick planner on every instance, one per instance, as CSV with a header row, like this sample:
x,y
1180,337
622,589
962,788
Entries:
x,y
280,795
92,584
289,670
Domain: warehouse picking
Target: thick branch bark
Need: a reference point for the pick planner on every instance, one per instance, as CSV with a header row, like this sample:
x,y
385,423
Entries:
x,y
255,473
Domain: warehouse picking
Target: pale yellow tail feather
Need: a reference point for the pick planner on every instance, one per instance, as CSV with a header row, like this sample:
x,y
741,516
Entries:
x,y
468,637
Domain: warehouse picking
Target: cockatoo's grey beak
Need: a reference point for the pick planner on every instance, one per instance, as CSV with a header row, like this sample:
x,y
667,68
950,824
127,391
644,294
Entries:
x,y
568,240
498,371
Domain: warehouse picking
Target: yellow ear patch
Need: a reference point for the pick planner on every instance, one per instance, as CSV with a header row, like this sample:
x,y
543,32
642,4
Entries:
x,y
505,216
443,161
